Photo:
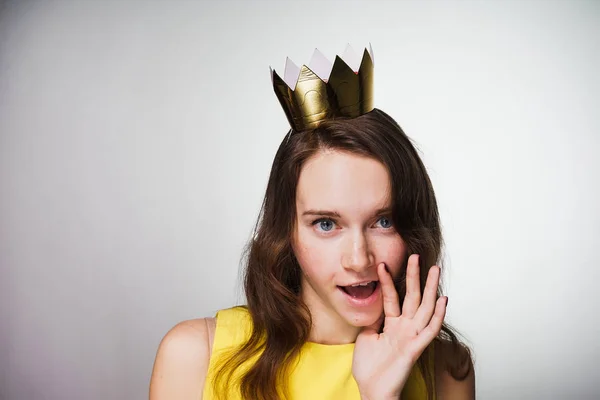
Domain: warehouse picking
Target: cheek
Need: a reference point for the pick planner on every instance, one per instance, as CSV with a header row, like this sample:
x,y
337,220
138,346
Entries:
x,y
392,252
317,258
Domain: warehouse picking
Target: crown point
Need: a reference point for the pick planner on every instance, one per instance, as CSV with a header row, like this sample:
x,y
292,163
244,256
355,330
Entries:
x,y
340,67
320,65
351,58
291,73
366,59
371,53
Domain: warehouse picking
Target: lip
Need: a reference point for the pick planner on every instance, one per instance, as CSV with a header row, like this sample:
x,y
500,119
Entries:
x,y
361,282
372,299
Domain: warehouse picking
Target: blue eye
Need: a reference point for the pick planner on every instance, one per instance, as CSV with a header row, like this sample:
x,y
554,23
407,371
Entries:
x,y
326,225
385,222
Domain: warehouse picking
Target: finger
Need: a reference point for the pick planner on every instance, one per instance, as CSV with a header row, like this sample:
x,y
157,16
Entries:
x,y
430,332
412,300
391,305
427,307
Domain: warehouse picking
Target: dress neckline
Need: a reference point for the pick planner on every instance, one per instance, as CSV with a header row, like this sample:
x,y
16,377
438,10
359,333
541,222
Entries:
x,y
324,347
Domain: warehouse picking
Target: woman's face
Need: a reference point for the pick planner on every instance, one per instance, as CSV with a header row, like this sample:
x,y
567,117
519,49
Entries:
x,y
343,231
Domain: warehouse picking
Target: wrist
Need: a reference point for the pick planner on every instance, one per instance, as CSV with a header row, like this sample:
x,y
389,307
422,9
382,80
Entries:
x,y
374,391
380,397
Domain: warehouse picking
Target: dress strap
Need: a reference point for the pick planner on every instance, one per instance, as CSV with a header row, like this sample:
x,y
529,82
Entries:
x,y
233,327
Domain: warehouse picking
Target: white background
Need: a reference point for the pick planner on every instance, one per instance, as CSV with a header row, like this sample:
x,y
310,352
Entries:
x,y
136,140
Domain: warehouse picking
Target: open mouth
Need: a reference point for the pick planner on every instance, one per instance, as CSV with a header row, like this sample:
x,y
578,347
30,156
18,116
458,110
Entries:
x,y
362,291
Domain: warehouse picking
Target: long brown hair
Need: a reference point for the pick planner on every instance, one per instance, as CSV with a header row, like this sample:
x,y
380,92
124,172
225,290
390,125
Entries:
x,y
281,320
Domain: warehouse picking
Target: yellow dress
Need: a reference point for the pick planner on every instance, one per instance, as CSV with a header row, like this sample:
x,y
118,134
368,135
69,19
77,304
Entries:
x,y
322,371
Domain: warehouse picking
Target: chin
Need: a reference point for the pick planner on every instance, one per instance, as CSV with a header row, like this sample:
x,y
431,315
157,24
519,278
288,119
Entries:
x,y
366,320
360,318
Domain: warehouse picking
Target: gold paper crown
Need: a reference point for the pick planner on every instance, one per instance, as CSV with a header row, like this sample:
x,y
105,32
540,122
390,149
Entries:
x,y
310,95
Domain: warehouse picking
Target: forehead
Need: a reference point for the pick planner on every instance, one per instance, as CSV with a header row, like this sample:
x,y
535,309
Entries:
x,y
341,181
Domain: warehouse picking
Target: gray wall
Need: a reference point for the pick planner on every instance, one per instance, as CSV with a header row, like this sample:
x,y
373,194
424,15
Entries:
x,y
136,140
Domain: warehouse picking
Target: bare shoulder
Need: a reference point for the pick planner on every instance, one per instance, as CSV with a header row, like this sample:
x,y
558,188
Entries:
x,y
455,373
182,360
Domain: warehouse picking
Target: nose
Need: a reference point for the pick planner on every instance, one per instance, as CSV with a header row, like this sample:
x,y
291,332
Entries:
x,y
356,254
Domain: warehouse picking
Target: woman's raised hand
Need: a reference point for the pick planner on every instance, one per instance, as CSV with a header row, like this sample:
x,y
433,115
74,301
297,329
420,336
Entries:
x,y
382,362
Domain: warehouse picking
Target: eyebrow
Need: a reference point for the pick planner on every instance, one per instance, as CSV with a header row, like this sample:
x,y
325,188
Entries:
x,y
335,214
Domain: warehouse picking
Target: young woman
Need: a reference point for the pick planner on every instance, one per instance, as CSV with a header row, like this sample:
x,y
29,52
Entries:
x,y
341,281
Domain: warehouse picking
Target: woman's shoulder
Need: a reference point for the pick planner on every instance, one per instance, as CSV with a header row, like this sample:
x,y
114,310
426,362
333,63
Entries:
x,y
193,335
182,360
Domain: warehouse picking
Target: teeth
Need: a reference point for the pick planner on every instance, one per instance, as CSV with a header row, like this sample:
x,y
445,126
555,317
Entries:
x,y
361,284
